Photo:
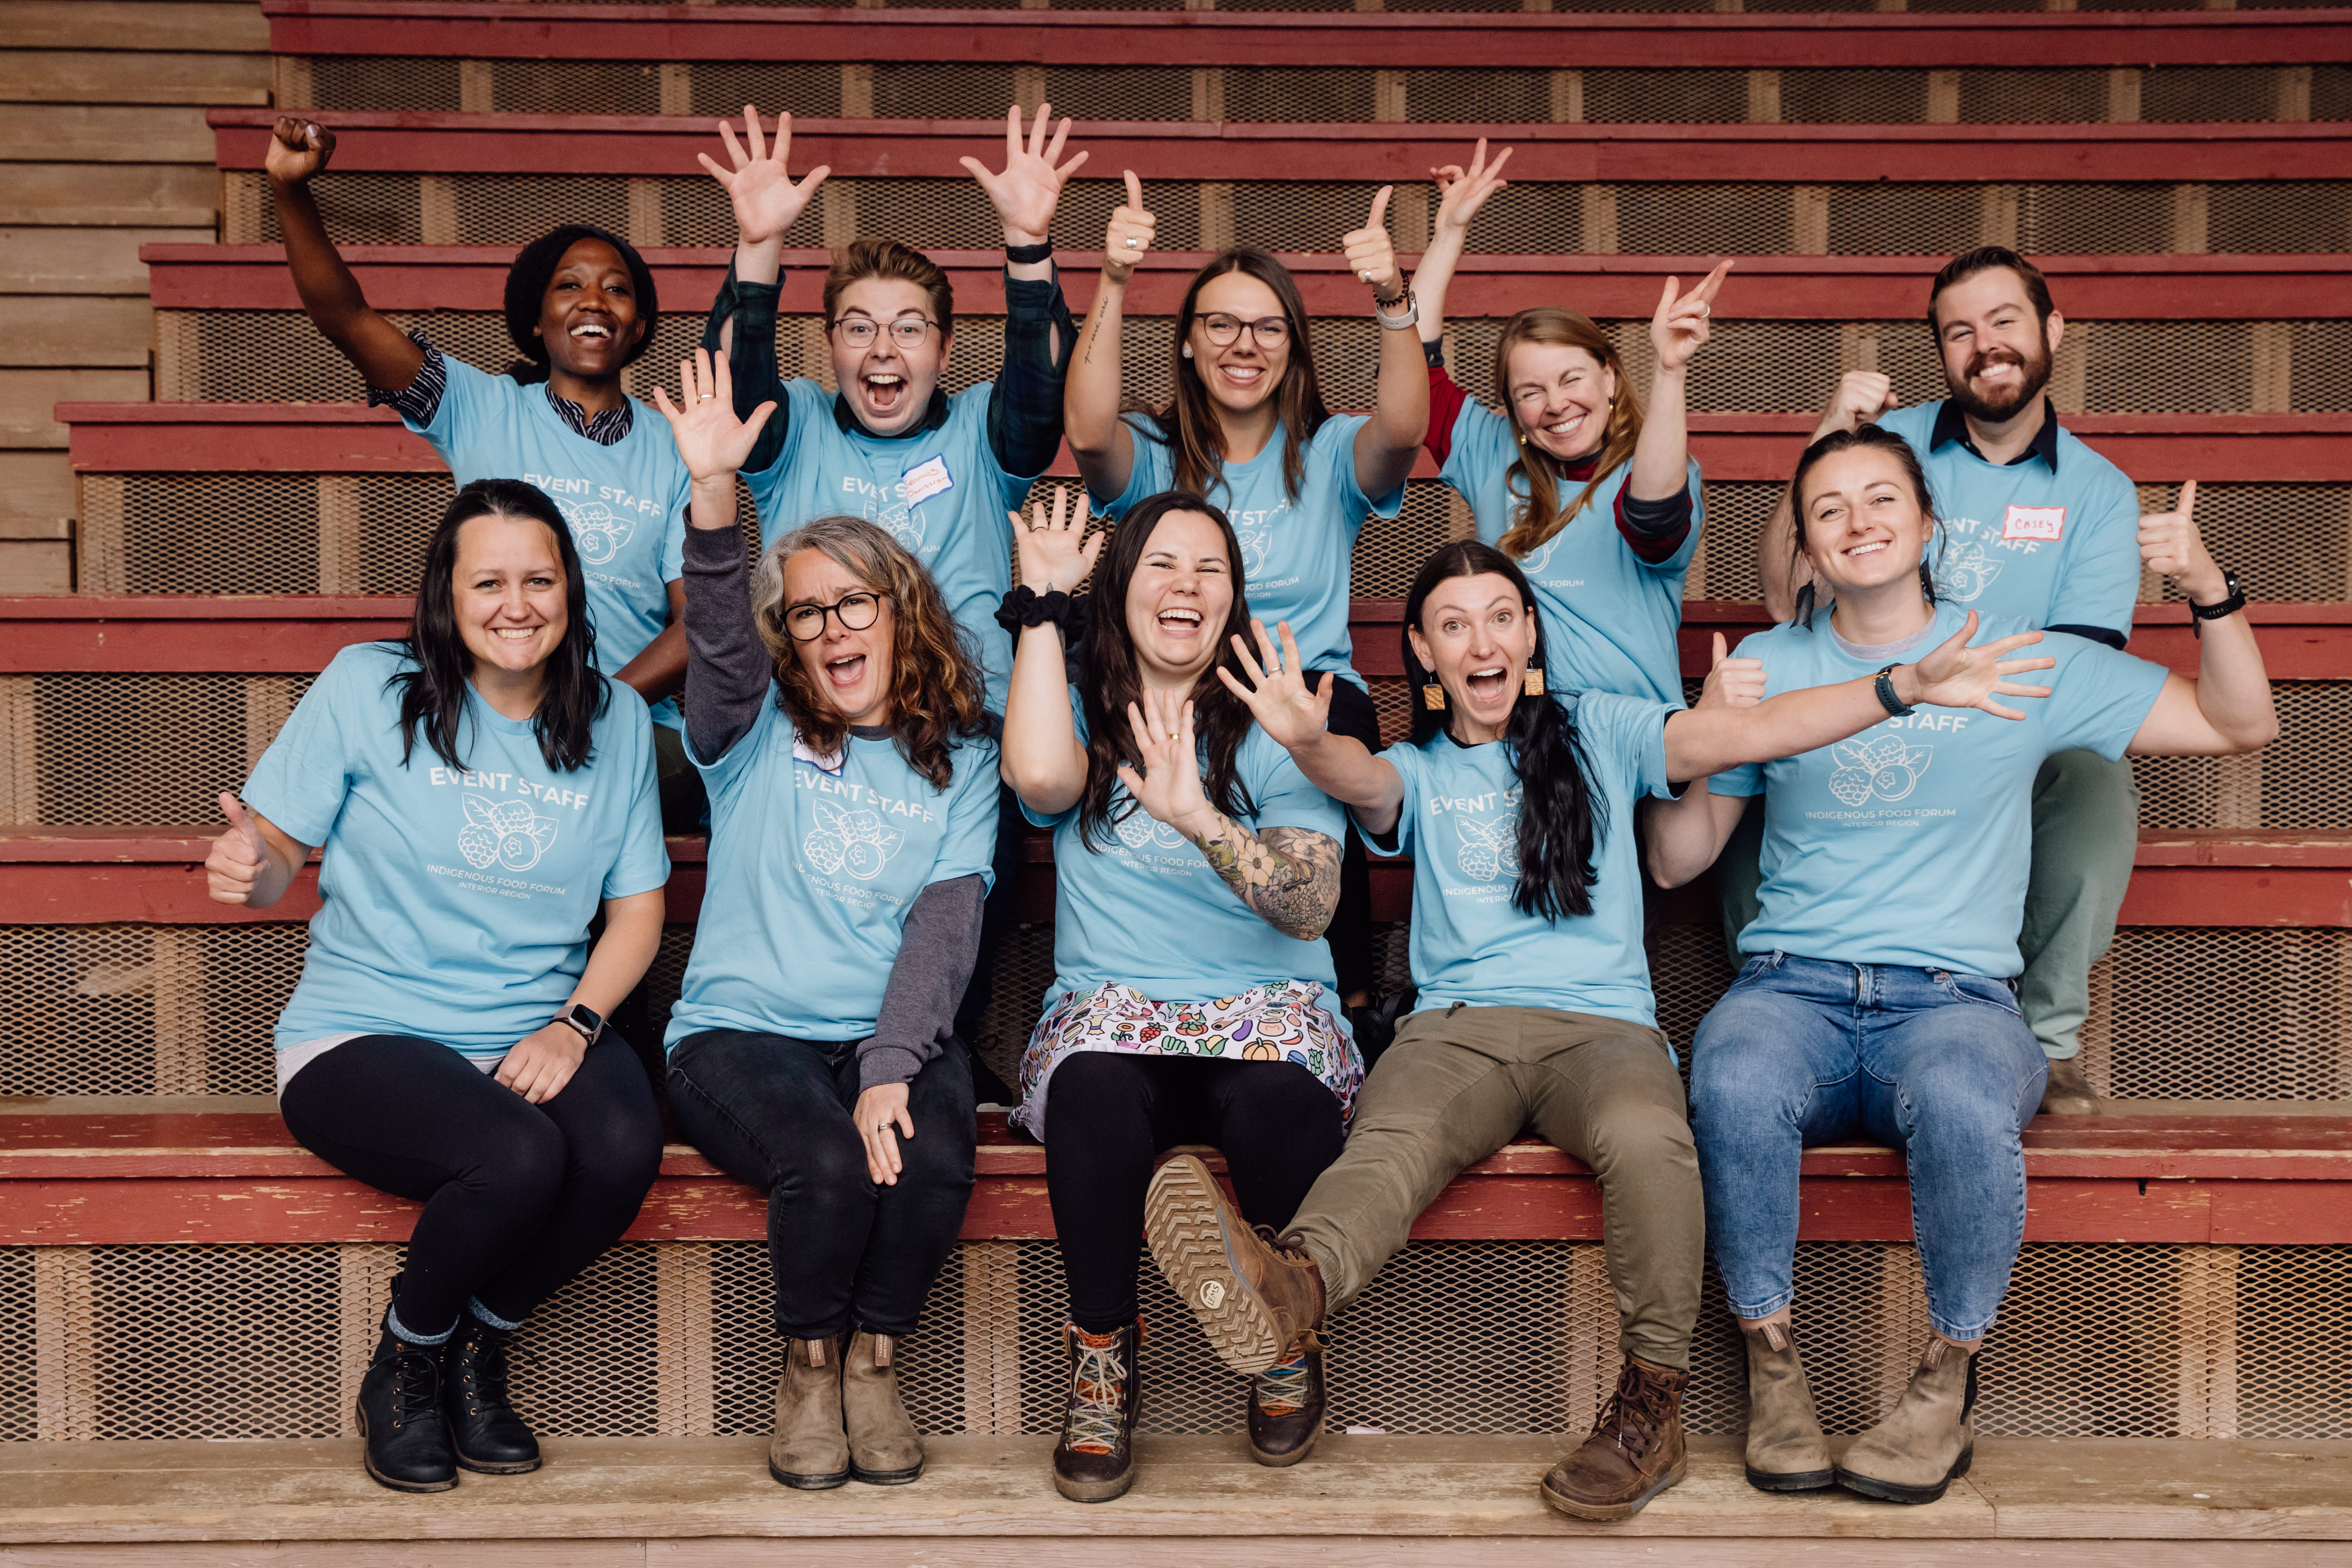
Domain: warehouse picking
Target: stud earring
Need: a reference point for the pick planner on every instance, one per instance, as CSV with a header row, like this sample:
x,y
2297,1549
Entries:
x,y
1531,683
1433,697
1187,351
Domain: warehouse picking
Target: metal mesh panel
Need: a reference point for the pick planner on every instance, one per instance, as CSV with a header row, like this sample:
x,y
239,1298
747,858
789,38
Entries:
x,y
575,87
145,748
2189,94
1854,97
203,536
1119,93
19,1384
2289,1303
2034,97
1389,552
2301,533
725,86
590,1361
364,209
1288,93
217,1341
2278,1027
141,1009
1496,96
1652,97
2274,218
974,90
2298,780
386,81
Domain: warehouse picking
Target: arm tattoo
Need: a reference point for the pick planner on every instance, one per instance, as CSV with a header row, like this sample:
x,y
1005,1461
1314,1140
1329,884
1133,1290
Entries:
x,y
1289,876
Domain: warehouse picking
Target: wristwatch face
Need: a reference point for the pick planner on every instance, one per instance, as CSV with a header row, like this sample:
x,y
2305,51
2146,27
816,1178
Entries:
x,y
584,1019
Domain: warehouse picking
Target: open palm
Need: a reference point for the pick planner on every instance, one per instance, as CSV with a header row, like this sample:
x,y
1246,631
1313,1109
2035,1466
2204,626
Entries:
x,y
710,440
1168,787
766,201
1030,188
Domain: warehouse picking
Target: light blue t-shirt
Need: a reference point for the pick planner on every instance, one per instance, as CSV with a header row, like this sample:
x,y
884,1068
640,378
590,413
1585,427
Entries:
x,y
940,492
1910,842
1609,616
1295,556
1143,907
1460,823
815,862
627,502
2025,542
456,900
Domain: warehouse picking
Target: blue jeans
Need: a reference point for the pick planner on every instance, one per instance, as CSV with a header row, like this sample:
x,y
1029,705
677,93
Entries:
x,y
1804,1051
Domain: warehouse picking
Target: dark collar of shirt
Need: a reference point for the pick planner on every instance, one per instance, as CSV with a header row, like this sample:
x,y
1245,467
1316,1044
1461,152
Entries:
x,y
1951,425
609,428
933,418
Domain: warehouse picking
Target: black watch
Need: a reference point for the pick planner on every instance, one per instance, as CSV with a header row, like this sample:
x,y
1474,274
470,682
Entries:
x,y
2228,607
585,1018
1885,687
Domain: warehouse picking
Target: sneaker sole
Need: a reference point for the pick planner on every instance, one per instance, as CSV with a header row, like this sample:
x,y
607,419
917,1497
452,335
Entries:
x,y
1790,1481
1603,1512
1895,1491
1184,1215
380,1478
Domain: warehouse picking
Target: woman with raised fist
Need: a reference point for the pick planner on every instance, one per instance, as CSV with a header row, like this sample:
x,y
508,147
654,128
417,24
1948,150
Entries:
x,y
1245,428
579,305
480,792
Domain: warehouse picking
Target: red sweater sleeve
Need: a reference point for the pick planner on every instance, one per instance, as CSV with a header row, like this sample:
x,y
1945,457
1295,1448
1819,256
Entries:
x,y
1445,401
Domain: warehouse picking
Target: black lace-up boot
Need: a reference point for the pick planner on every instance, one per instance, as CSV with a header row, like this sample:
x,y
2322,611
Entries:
x,y
485,1433
400,1417
1095,1460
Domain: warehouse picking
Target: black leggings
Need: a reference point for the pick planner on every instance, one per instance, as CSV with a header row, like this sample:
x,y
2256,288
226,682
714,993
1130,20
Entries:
x,y
1107,1117
1349,933
519,1198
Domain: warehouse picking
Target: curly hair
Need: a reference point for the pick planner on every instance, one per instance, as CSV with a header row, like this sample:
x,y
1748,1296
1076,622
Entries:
x,y
937,694
1544,516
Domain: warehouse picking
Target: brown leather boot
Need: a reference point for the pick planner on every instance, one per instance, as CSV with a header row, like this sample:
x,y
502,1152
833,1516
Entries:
x,y
810,1451
885,1450
1636,1451
1926,1442
1286,1409
1095,1460
2068,1093
1259,1298
1785,1450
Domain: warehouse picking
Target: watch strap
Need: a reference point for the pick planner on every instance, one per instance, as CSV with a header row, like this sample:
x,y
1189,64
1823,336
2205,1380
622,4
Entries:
x,y
2200,614
1884,686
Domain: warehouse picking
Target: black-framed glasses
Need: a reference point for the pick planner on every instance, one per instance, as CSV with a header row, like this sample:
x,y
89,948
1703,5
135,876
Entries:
x,y
1267,332
857,611
906,331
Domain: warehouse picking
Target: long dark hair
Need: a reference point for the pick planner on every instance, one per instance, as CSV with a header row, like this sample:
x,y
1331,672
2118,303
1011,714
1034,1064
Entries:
x,y
534,268
1220,718
1874,438
432,694
1196,442
1561,821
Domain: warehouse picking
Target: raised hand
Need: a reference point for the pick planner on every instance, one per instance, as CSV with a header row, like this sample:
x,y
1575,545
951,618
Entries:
x,y
766,201
1027,192
1731,682
711,441
1277,694
1053,552
1957,676
1169,787
1680,325
1462,192
1862,396
298,149
234,863
2171,545
1370,256
1128,237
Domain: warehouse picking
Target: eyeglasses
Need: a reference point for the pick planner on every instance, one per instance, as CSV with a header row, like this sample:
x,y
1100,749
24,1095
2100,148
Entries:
x,y
857,612
1267,332
906,331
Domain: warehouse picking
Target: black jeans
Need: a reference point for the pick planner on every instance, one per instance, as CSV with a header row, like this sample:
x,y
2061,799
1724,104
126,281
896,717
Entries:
x,y
1349,933
849,1253
1107,1117
519,1198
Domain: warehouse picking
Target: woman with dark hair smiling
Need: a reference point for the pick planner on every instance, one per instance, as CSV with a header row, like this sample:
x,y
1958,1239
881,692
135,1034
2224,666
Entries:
x,y
1192,999
479,790
579,305
1516,808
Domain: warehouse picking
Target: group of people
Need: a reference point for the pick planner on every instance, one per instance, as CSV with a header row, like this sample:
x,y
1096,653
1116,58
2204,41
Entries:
x,y
872,714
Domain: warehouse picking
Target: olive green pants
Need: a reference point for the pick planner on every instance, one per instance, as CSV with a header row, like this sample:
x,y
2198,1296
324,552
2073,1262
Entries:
x,y
2086,834
1461,1082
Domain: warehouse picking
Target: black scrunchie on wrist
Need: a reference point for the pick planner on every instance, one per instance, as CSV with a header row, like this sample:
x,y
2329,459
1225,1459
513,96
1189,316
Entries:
x,y
1024,606
1025,254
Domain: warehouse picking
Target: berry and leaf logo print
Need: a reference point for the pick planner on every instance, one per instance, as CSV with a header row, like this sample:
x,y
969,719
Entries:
x,y
503,833
1964,571
902,523
1489,850
851,841
1140,830
1883,768
598,531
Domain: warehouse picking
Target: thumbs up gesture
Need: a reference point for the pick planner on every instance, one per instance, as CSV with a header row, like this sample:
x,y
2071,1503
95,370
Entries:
x,y
1731,682
238,856
2169,545
1130,235
1370,256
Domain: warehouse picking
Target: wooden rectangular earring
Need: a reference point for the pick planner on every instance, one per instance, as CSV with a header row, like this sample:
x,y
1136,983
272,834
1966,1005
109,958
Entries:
x,y
1532,683
1433,697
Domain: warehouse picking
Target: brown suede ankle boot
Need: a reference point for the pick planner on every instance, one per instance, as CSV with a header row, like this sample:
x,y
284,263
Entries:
x,y
1636,1451
2068,1091
885,1450
1785,1449
809,1450
1286,1409
1927,1441
1095,1460
1259,1298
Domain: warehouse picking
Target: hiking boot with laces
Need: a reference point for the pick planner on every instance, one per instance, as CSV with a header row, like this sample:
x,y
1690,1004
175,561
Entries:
x,y
1095,1460
1636,1451
1258,1297
1286,1409
400,1417
485,1434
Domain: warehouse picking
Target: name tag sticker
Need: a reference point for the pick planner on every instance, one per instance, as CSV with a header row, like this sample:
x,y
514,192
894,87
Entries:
x,y
2045,523
926,479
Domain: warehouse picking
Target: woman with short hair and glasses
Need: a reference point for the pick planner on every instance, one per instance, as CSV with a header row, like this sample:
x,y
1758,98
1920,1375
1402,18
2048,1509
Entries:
x,y
838,718
1246,429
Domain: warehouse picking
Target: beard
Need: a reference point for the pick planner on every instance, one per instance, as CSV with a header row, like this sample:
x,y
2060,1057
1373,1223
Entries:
x,y
1994,410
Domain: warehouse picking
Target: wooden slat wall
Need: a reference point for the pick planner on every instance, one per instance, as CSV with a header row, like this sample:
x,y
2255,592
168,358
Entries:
x,y
102,149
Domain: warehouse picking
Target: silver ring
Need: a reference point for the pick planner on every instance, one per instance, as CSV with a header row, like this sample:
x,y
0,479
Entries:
x,y
1365,276
1705,312
1274,668
702,396
1133,243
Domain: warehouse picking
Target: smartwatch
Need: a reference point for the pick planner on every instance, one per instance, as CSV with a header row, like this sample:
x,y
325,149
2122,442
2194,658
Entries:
x,y
2236,601
1885,687
586,1019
